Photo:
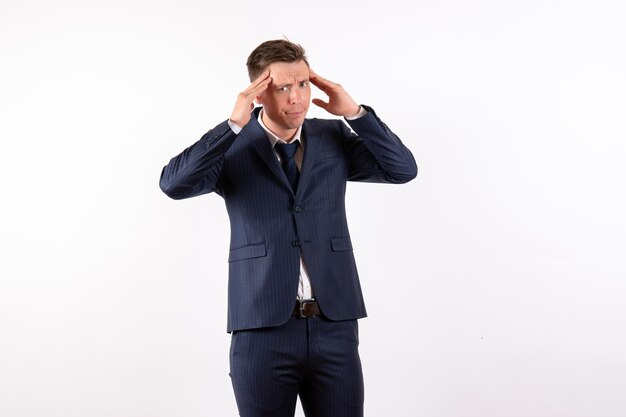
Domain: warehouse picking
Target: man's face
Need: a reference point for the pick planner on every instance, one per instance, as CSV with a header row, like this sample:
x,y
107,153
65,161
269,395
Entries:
x,y
286,100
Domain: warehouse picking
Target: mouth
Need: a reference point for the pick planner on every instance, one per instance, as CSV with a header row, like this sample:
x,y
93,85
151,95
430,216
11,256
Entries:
x,y
294,113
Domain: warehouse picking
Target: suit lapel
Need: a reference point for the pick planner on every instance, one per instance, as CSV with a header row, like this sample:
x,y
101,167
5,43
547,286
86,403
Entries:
x,y
257,137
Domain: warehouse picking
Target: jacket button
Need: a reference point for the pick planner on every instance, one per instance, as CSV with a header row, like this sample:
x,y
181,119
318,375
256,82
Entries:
x,y
295,243
298,209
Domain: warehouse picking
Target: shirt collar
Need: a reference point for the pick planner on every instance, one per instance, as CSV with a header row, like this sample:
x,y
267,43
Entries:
x,y
275,139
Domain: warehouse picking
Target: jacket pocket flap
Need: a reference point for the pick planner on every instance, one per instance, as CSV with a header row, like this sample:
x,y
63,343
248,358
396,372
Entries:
x,y
247,252
341,243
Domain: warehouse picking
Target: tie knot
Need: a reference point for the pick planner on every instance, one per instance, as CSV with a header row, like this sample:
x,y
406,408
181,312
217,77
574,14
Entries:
x,y
287,150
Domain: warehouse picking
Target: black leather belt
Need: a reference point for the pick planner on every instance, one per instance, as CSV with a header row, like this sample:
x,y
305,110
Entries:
x,y
306,308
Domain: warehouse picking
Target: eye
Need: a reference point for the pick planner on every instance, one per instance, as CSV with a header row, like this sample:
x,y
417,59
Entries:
x,y
304,83
284,89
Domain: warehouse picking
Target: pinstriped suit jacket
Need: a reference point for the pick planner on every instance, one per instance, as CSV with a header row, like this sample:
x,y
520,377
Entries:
x,y
271,227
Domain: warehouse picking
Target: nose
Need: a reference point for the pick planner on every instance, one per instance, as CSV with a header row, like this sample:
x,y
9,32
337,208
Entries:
x,y
295,96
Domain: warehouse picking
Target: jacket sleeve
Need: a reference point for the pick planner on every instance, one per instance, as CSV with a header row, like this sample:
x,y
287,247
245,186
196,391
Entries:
x,y
197,169
375,153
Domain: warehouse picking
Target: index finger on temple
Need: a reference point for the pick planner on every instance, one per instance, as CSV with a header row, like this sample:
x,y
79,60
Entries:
x,y
317,79
264,76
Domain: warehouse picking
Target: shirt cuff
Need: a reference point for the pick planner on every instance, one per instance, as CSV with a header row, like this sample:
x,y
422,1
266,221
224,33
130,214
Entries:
x,y
234,127
360,114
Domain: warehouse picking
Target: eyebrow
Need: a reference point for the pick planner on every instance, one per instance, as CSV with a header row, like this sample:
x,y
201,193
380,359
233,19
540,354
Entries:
x,y
290,84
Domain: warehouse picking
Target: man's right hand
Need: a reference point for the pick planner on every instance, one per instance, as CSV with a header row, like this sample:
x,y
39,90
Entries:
x,y
245,99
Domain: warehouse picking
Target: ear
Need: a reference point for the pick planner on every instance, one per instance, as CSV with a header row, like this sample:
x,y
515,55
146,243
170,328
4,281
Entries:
x,y
259,98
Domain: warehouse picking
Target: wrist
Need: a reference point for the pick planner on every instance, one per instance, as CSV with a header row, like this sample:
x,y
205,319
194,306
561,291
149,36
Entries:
x,y
360,113
235,127
239,121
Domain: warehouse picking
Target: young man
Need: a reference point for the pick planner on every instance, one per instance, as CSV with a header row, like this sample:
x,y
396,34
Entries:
x,y
293,292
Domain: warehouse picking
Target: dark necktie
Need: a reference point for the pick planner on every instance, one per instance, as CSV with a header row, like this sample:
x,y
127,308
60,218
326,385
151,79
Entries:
x,y
287,152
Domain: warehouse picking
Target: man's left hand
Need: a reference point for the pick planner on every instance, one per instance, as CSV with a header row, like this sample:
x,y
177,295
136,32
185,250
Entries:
x,y
339,102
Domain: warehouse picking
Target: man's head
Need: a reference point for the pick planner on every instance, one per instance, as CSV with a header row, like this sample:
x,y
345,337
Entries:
x,y
286,100
273,51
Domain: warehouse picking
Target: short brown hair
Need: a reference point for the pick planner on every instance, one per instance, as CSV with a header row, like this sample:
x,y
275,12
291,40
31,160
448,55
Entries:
x,y
268,52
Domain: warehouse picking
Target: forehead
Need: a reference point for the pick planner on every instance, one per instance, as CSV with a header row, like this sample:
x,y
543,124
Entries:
x,y
287,71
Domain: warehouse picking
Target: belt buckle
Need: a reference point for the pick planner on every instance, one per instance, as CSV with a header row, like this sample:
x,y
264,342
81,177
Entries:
x,y
302,304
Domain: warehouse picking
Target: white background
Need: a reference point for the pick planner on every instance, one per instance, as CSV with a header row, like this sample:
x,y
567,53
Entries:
x,y
495,282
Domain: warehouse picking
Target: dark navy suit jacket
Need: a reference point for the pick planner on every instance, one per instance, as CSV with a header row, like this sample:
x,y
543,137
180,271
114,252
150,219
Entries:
x,y
271,227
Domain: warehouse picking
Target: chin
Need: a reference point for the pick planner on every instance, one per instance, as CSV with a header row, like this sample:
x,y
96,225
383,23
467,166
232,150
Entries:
x,y
294,123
